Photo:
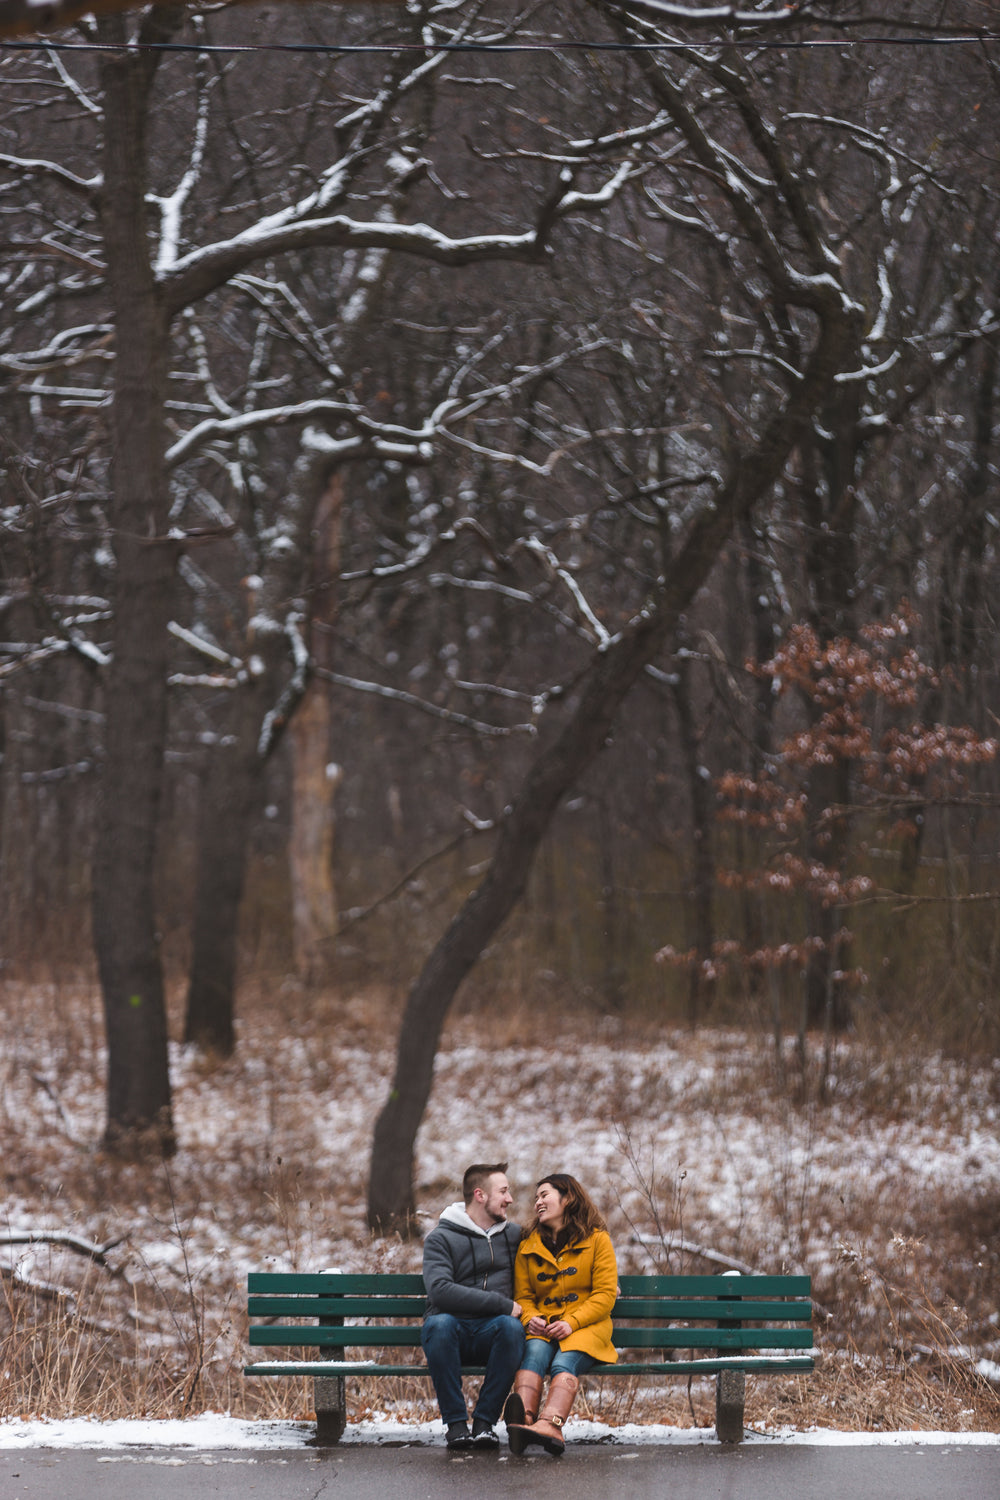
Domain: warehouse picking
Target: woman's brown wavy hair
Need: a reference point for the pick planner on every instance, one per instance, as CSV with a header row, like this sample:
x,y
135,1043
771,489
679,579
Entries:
x,y
581,1216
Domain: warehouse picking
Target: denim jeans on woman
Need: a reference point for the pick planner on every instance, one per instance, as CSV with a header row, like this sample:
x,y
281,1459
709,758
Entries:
x,y
546,1358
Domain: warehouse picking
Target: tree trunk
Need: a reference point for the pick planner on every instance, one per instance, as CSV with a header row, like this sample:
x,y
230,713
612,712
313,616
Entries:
x,y
310,848
827,1002
125,929
963,582
701,921
314,779
230,794
759,741
613,947
831,561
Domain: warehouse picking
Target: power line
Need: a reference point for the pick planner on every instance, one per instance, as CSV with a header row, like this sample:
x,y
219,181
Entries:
x,y
348,48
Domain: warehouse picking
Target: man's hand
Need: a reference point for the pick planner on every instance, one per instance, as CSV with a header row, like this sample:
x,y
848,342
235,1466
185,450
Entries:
x,y
515,1311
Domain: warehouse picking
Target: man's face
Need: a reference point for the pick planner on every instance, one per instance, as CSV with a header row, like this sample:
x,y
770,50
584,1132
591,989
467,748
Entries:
x,y
497,1197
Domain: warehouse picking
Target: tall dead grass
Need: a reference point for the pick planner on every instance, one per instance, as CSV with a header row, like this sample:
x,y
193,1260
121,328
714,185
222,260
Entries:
x,y
906,1291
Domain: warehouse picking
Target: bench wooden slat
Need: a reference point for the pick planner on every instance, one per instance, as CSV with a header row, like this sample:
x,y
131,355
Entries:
x,y
713,1338
779,1363
716,1286
375,1337
322,1283
337,1307
336,1337
762,1363
747,1312
673,1310
333,1369
407,1283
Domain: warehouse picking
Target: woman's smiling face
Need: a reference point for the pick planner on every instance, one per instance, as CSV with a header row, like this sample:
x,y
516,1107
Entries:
x,y
549,1206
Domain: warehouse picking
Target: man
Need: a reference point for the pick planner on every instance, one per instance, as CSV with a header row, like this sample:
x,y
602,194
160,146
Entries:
x,y
471,1315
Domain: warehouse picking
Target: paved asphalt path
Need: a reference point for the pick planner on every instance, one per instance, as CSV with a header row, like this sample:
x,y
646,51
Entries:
x,y
752,1471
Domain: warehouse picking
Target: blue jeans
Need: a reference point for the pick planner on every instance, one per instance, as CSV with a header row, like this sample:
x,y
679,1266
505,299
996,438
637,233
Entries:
x,y
546,1358
449,1342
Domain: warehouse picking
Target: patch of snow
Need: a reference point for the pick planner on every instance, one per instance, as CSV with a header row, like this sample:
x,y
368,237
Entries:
x,y
213,1432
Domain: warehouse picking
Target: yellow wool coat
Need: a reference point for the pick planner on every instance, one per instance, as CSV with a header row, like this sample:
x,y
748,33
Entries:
x,y
579,1285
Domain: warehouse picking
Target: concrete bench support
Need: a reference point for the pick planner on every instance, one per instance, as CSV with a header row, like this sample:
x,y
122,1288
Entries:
x,y
730,1396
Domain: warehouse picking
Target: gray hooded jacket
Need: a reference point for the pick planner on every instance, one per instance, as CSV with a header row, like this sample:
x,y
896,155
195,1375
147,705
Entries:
x,y
468,1271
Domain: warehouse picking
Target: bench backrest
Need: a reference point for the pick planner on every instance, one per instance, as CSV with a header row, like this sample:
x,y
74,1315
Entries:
x,y
734,1312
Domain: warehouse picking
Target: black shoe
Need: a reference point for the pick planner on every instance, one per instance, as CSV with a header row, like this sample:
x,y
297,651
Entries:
x,y
458,1436
513,1411
484,1439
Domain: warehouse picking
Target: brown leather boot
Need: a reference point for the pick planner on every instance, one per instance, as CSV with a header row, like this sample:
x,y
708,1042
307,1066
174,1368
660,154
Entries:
x,y
558,1405
521,1407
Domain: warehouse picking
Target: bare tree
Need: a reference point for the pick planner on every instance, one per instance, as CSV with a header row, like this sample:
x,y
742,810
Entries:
x,y
154,285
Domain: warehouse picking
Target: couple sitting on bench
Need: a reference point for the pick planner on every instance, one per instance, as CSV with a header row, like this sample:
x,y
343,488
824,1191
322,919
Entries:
x,y
525,1306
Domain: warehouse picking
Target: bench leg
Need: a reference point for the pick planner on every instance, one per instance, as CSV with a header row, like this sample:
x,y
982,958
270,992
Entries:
x,y
331,1409
730,1392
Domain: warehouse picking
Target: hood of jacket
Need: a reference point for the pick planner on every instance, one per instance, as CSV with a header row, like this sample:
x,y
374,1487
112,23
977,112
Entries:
x,y
457,1216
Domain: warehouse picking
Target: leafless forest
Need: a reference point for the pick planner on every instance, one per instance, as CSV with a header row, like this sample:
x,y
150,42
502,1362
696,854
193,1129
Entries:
x,y
499,509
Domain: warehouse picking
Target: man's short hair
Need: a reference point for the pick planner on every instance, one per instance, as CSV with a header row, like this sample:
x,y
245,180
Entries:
x,y
477,1176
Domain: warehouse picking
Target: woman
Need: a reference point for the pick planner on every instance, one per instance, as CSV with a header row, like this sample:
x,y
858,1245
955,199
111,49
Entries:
x,y
566,1280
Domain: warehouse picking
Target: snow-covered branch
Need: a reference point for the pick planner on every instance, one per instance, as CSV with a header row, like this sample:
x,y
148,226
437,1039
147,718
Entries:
x,y
715,15
384,440
300,228
411,700
172,206
276,719
63,1239
203,647
548,559
33,166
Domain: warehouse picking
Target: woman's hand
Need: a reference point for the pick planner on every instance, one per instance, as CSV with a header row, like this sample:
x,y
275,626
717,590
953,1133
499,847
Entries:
x,y
559,1329
538,1327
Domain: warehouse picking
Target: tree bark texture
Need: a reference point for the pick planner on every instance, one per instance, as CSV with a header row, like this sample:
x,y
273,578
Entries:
x,y
125,929
230,796
700,917
311,840
314,779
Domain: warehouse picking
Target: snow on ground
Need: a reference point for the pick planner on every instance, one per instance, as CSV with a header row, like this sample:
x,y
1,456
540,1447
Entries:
x,y
687,1121
211,1433
726,1156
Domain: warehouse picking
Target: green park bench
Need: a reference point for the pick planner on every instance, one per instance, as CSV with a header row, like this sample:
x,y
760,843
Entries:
x,y
725,1326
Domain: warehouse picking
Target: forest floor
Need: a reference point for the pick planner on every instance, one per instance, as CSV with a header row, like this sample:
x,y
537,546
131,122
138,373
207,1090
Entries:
x,y
699,1147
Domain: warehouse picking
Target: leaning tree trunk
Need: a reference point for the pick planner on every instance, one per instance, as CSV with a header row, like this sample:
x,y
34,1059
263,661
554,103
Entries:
x,y
614,670
125,928
610,678
390,1187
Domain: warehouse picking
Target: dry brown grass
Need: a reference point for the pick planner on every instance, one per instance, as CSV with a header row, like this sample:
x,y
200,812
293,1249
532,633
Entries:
x,y
271,1173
